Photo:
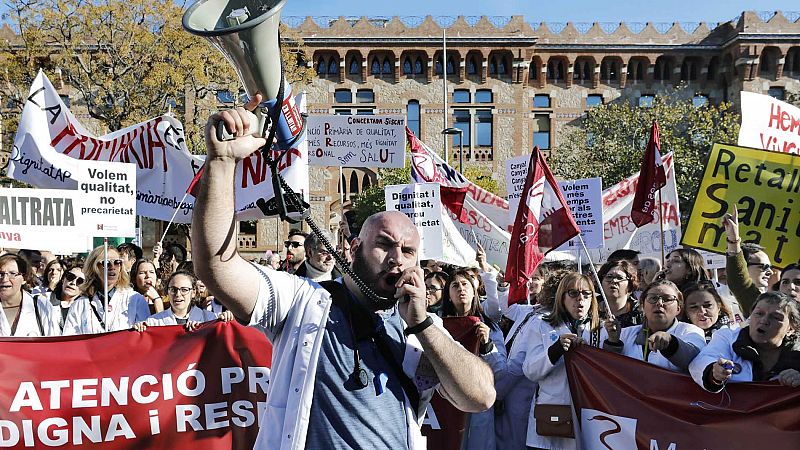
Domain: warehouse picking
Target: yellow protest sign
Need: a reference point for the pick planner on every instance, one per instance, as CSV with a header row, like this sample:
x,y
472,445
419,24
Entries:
x,y
764,186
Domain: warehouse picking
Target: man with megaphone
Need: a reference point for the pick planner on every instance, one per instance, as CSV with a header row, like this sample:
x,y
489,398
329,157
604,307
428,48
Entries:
x,y
356,360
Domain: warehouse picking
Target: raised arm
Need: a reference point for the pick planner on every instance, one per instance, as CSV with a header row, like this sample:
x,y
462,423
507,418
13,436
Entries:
x,y
234,281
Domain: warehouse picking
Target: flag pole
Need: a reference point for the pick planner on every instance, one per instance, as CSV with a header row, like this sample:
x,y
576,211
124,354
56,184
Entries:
x,y
661,224
178,208
594,272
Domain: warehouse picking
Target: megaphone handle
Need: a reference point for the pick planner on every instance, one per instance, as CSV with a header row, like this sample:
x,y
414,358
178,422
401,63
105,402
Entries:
x,y
256,127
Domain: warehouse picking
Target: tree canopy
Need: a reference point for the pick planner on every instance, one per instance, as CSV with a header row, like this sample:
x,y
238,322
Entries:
x,y
610,140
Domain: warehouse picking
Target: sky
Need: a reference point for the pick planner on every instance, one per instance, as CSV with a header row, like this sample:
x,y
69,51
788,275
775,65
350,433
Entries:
x,y
546,11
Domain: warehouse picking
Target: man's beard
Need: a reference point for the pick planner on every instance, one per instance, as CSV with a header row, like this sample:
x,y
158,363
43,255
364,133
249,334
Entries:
x,y
371,280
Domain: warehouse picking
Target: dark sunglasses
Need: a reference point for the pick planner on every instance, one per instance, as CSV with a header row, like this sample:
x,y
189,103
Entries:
x,y
70,277
292,244
114,262
763,267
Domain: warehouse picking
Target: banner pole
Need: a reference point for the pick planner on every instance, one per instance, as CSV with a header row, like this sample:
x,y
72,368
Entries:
x,y
661,224
106,262
166,229
594,272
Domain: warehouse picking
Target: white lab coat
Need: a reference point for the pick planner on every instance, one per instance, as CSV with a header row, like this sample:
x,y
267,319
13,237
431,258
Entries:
x,y
125,308
167,317
27,326
686,332
721,346
552,378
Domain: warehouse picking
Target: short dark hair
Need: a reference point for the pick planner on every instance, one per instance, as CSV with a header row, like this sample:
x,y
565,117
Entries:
x,y
297,232
623,254
174,249
749,249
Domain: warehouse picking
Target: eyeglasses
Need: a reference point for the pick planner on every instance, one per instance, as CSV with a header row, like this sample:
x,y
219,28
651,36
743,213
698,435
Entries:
x,y
761,266
292,244
174,290
432,289
653,299
113,262
10,275
70,277
615,278
574,293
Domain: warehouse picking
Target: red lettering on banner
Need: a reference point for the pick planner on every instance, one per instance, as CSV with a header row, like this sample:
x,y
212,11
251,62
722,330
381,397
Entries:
x,y
292,115
483,196
782,120
255,168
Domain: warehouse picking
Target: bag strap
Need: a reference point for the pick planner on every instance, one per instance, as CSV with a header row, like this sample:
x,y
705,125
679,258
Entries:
x,y
38,317
341,298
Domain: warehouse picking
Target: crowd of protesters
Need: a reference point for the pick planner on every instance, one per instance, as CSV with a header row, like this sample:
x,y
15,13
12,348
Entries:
x,y
677,317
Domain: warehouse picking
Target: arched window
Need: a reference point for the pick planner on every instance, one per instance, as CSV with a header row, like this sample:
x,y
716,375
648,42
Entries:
x,y
437,66
418,68
493,66
342,185
502,66
472,68
555,69
355,68
451,68
407,69
375,69
365,182
354,183
333,67
713,69
322,67
663,69
386,69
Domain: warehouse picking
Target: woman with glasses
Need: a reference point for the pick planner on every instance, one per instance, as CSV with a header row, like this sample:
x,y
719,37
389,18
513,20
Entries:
x,y
22,315
50,278
790,281
573,320
93,312
434,290
662,339
461,299
63,297
705,309
766,349
145,281
619,281
181,288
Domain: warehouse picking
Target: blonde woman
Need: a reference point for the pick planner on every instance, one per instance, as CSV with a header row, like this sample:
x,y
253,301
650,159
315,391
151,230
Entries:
x,y
92,312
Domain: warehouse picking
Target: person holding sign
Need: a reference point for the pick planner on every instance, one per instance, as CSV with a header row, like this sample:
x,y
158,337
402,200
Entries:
x,y
765,349
355,360
662,340
92,312
747,266
22,315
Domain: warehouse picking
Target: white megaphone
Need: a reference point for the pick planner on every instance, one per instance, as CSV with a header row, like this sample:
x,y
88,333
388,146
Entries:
x,y
246,32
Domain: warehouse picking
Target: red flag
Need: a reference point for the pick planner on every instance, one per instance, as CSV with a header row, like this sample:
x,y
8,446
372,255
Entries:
x,y
193,186
543,223
651,178
453,198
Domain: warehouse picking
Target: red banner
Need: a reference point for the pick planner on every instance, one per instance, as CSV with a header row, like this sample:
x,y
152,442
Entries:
x,y
444,427
161,389
625,404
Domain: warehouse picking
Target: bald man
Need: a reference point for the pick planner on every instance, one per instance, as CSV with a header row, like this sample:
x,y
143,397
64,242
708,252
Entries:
x,y
352,367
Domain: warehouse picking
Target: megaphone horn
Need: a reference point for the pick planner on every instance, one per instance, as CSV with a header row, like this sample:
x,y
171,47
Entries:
x,y
246,32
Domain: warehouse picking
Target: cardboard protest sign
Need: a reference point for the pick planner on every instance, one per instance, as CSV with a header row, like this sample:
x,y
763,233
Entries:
x,y
764,186
108,198
422,204
356,141
769,124
516,172
42,219
585,200
205,389
50,141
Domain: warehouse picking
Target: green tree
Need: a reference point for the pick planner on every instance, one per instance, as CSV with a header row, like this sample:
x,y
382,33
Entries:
x,y
610,140
372,199
482,178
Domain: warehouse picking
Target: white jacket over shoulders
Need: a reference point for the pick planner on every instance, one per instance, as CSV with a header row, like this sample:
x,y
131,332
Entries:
x,y
125,308
167,317
691,339
34,319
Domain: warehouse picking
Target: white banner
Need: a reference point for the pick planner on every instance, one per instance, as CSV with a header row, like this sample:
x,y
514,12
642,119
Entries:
x,y
422,203
455,249
492,238
516,173
108,198
769,124
43,219
50,141
356,141
585,200
620,231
